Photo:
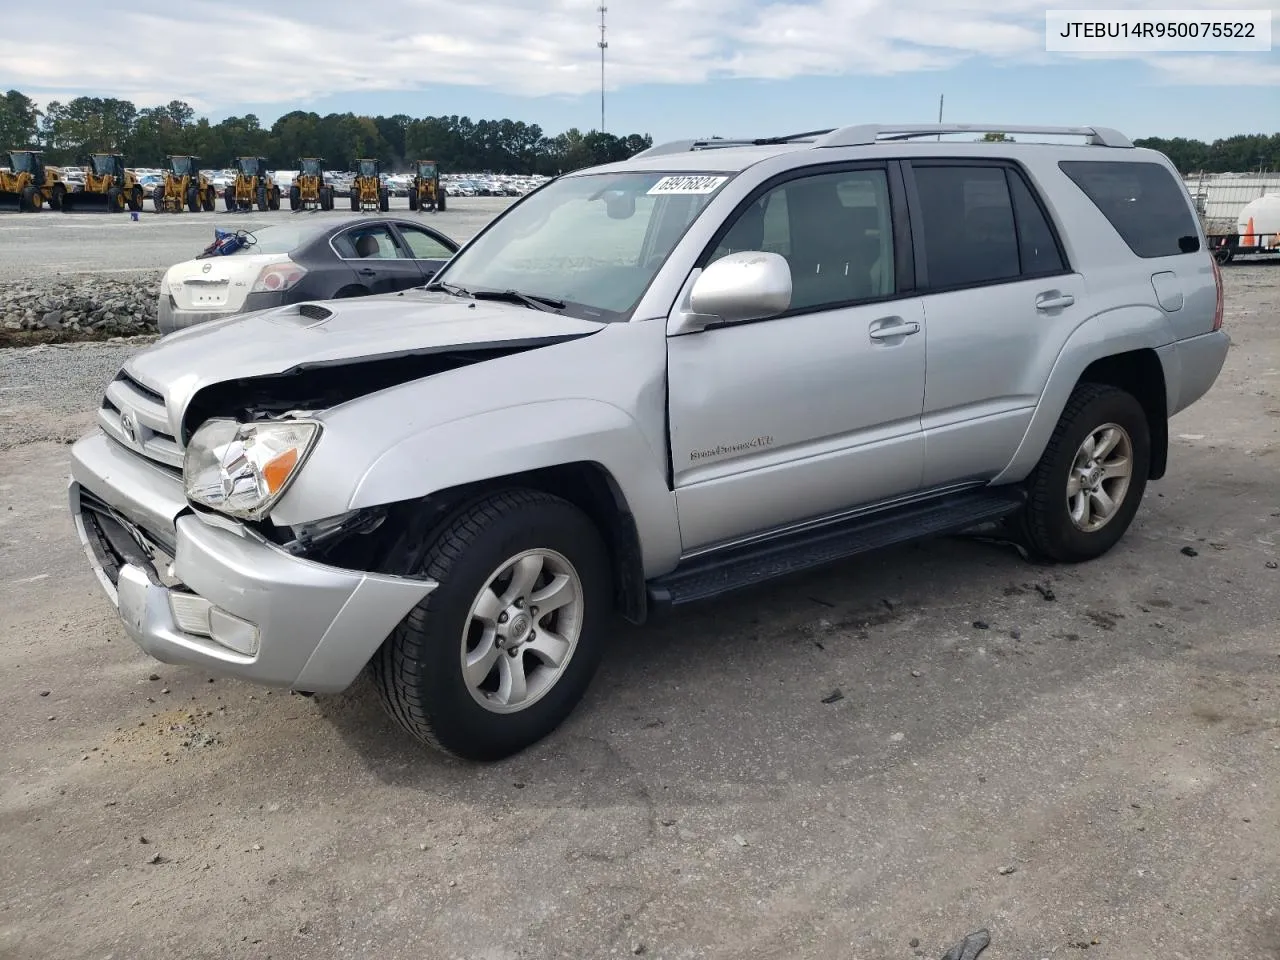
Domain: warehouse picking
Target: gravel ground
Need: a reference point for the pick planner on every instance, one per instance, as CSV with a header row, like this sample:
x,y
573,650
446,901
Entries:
x,y
870,762
50,391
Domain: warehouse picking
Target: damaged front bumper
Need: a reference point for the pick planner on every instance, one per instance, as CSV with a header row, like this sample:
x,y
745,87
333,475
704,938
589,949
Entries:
x,y
216,595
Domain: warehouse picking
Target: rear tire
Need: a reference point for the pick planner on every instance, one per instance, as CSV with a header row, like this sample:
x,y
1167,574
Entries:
x,y
56,196
355,202
440,195
413,198
135,199
115,200
384,201
193,199
210,200
229,198
1081,498
262,199
295,198
520,698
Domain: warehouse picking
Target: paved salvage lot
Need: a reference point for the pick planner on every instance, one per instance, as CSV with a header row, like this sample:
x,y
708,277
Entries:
x,y
91,242
1074,758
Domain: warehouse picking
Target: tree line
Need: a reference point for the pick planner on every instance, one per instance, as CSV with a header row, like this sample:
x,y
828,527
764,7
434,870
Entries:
x,y
66,132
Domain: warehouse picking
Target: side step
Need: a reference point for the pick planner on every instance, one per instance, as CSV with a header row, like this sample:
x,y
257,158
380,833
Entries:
x,y
736,568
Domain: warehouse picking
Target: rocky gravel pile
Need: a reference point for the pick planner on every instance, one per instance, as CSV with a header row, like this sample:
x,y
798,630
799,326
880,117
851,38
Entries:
x,y
121,307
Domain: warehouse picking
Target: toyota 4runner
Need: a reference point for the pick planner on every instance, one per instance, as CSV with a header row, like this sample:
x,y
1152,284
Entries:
x,y
646,384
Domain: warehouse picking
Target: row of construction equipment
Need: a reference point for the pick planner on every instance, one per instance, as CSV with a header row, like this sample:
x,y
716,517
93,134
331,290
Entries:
x,y
30,185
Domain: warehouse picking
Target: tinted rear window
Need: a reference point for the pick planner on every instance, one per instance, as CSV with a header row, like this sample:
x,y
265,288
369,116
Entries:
x,y
1142,201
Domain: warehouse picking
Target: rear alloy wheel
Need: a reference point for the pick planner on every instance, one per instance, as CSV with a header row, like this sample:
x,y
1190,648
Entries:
x,y
502,651
1085,491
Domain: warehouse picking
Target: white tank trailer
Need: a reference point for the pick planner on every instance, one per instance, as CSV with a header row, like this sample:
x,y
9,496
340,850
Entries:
x,y
1257,232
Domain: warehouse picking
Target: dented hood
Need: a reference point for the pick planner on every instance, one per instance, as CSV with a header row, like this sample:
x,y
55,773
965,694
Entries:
x,y
337,332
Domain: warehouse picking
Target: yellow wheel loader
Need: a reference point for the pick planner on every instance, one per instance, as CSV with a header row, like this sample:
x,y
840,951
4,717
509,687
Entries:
x,y
253,186
107,186
309,191
425,190
28,184
185,186
367,190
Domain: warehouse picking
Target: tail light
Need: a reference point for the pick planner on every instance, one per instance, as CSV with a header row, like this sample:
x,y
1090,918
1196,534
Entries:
x,y
1218,307
278,277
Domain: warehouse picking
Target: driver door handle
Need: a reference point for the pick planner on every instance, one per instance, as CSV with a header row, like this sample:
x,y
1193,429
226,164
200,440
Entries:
x,y
895,330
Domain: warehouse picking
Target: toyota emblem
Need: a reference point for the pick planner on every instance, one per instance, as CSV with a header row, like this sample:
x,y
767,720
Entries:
x,y
128,427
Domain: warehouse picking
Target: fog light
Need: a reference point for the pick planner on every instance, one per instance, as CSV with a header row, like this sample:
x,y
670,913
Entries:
x,y
233,633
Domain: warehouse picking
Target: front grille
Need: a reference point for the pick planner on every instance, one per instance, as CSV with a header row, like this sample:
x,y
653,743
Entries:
x,y
116,541
135,416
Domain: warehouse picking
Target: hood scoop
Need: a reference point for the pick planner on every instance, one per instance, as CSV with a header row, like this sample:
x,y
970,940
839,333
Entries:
x,y
301,315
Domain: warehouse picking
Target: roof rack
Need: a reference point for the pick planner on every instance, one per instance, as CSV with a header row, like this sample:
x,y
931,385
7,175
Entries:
x,y
720,143
863,134
868,133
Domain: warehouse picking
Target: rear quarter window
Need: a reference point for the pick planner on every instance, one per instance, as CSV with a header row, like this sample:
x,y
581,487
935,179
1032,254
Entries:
x,y
1142,201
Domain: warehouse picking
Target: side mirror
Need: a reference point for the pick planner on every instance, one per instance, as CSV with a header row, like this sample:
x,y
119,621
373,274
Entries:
x,y
749,285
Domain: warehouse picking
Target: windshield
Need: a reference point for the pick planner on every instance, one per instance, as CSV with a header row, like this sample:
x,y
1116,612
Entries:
x,y
103,164
368,168
311,168
427,171
249,166
22,162
280,238
594,241
182,166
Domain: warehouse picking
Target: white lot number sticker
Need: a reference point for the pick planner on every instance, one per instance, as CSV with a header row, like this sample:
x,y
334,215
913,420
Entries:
x,y
686,184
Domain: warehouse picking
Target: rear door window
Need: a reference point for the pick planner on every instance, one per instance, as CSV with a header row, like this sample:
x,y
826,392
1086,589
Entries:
x,y
969,232
982,225
1142,200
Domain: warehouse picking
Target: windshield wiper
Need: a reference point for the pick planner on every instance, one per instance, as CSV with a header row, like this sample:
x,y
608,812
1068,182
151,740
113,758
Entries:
x,y
536,301
449,288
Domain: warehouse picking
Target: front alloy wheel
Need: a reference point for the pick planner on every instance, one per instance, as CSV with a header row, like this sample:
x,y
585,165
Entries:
x,y
522,631
501,652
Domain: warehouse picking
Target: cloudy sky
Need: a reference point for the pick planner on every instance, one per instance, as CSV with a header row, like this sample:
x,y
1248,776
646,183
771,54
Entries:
x,y
675,67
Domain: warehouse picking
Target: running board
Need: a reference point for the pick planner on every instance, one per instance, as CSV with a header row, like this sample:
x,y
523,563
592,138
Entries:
x,y
736,568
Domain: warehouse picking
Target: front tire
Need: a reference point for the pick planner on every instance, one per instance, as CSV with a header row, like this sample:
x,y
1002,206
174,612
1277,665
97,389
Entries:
x,y
500,654
1088,485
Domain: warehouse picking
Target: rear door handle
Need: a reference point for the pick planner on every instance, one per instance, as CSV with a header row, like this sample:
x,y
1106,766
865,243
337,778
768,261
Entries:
x,y
895,330
1055,303
366,272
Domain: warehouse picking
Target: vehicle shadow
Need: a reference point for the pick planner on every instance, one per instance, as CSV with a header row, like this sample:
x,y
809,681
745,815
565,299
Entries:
x,y
794,679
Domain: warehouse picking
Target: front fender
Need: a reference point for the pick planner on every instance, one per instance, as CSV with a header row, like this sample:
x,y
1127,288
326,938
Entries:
x,y
532,436
1113,332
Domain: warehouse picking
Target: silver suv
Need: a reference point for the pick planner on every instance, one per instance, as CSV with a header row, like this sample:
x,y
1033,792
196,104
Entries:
x,y
647,384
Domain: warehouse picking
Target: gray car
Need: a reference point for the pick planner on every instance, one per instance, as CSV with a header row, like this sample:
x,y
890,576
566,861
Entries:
x,y
648,384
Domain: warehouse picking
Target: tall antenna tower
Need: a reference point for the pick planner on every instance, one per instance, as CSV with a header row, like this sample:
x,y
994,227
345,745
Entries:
x,y
603,44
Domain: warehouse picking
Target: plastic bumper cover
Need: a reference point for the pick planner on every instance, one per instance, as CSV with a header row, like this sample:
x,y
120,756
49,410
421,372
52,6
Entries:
x,y
225,600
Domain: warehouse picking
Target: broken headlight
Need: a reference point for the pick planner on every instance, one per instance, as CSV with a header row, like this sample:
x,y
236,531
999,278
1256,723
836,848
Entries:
x,y
242,469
